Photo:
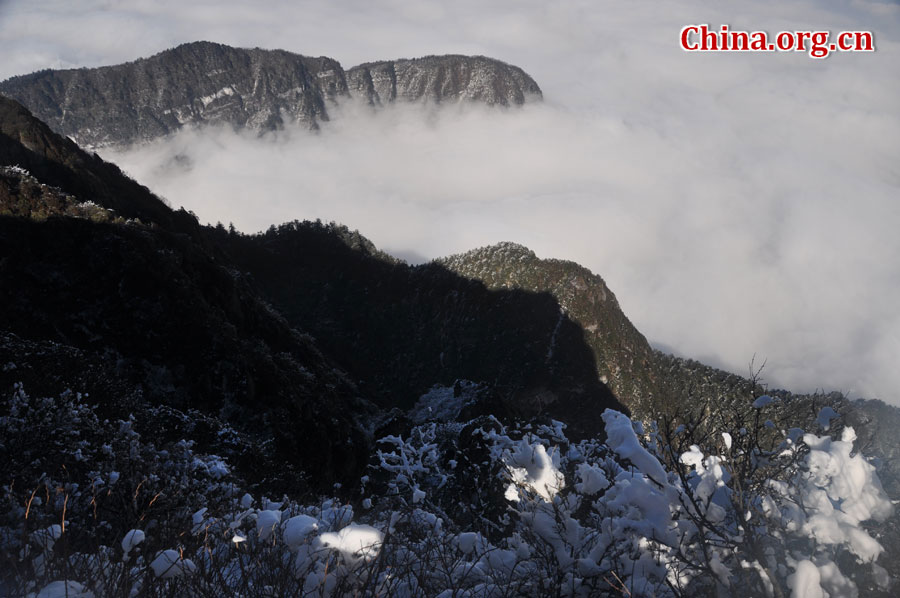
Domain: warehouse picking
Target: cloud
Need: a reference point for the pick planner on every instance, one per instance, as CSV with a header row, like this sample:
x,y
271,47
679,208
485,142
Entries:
x,y
736,204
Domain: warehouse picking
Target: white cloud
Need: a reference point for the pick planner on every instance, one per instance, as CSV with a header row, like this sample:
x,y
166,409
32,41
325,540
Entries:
x,y
736,204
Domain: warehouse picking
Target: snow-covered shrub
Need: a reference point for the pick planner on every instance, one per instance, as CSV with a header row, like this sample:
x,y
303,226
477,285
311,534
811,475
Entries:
x,y
473,509
75,485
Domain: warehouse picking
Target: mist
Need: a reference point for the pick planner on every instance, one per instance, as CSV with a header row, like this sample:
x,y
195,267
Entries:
x,y
737,204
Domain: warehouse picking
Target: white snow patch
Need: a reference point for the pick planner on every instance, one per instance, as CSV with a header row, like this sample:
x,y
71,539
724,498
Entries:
x,y
355,541
168,564
826,414
804,583
225,91
266,523
762,401
620,437
64,589
131,539
591,479
298,529
531,466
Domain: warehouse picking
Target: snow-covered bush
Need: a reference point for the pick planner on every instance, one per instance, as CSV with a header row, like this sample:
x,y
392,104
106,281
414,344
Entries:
x,y
473,509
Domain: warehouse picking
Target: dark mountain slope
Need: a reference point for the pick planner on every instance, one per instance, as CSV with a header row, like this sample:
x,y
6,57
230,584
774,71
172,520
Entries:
x,y
30,144
622,356
179,326
402,329
207,83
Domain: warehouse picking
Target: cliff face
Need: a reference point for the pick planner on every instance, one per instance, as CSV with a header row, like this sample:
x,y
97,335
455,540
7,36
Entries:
x,y
442,79
206,83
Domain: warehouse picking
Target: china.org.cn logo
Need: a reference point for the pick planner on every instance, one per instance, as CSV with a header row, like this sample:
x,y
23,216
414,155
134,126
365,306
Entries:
x,y
819,44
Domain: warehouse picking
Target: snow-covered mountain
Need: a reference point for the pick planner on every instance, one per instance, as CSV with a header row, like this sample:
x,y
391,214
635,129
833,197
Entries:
x,y
207,83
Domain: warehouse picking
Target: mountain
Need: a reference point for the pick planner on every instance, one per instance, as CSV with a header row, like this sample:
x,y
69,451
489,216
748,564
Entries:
x,y
30,144
442,79
202,319
151,302
288,355
403,329
207,83
622,356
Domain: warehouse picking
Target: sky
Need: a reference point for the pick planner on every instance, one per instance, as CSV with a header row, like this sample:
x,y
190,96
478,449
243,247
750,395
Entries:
x,y
739,205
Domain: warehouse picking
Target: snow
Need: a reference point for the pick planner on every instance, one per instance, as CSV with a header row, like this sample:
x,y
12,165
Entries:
x,y
619,511
621,438
468,541
762,401
355,541
131,539
709,471
726,437
441,403
532,467
214,466
842,491
266,523
225,91
168,564
49,536
826,414
804,583
64,589
197,519
591,479
297,529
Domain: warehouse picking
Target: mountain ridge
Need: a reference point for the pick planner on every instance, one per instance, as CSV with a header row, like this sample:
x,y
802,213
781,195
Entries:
x,y
200,83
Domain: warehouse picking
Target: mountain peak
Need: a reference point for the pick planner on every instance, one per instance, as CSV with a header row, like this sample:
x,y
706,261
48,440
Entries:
x,y
448,78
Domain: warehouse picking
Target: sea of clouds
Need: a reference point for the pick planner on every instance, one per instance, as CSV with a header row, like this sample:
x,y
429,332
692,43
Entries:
x,y
737,204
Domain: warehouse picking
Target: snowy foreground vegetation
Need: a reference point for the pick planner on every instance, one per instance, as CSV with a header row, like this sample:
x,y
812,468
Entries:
x,y
90,507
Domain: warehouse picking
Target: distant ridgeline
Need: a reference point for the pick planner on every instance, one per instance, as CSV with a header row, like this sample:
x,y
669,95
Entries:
x,y
204,82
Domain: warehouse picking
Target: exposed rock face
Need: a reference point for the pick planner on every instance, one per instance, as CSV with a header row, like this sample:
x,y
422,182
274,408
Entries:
x,y
442,79
206,83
